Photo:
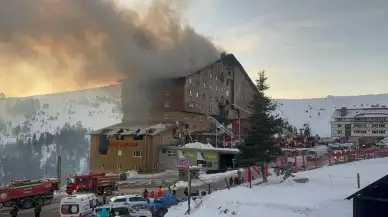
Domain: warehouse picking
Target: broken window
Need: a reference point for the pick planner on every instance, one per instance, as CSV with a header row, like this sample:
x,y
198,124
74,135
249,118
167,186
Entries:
x,y
103,146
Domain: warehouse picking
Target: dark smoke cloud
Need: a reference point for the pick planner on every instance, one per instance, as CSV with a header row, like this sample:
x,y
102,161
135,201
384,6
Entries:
x,y
81,43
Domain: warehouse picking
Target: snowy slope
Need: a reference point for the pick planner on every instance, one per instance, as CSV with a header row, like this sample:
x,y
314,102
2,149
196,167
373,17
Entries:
x,y
100,107
317,112
94,109
322,196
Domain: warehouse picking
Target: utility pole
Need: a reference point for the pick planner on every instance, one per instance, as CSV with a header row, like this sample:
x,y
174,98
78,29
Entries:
x,y
188,191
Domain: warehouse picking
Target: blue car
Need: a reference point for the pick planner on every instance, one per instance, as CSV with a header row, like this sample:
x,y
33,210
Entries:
x,y
159,207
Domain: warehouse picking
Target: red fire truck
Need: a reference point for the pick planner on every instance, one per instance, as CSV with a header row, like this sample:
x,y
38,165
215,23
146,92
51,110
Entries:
x,y
27,193
96,183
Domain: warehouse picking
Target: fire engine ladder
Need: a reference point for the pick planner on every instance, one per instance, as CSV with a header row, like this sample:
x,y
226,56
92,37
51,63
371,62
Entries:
x,y
222,128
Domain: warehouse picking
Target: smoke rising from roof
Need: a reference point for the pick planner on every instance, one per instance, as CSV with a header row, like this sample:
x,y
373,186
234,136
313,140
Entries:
x,y
60,45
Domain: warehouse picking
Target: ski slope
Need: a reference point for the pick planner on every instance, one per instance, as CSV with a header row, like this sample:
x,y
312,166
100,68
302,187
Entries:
x,y
93,109
100,107
322,196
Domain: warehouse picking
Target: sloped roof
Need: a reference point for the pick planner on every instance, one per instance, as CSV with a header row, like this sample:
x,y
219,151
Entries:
x,y
127,130
370,187
229,58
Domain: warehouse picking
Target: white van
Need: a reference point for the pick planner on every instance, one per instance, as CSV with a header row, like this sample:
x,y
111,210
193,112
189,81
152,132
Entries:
x,y
78,205
317,152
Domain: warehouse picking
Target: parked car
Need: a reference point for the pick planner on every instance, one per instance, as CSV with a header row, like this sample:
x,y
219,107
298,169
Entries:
x,y
123,211
131,200
159,207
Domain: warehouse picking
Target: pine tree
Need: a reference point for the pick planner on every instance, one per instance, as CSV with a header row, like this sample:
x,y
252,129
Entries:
x,y
260,146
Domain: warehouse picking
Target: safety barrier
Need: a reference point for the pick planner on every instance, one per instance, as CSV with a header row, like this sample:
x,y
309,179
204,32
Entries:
x,y
302,161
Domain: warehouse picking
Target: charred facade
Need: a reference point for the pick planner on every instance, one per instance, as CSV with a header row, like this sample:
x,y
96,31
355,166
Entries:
x,y
211,90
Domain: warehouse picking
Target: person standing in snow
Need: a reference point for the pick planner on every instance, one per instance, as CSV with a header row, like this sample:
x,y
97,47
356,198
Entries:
x,y
231,181
37,211
14,211
104,198
186,192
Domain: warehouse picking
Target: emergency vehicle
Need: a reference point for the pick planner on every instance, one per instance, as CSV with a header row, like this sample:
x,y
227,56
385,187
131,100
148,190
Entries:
x,y
78,205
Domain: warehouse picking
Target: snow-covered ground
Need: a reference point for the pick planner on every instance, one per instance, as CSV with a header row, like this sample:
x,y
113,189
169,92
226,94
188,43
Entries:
x,y
94,109
322,196
98,108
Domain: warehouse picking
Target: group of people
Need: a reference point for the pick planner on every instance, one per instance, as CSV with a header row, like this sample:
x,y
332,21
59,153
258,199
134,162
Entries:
x,y
15,210
159,192
236,181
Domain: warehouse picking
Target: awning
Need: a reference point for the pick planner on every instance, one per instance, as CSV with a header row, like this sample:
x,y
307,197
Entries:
x,y
199,156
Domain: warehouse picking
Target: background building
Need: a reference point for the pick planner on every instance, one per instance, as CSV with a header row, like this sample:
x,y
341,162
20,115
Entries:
x,y
359,122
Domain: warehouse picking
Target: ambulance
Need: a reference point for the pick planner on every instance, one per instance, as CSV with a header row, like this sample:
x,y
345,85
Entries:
x,y
78,205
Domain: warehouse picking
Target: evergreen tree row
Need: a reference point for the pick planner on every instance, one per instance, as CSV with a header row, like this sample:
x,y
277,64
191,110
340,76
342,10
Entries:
x,y
36,157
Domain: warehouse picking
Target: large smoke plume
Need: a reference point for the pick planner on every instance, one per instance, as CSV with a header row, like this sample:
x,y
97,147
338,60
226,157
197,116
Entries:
x,y
59,45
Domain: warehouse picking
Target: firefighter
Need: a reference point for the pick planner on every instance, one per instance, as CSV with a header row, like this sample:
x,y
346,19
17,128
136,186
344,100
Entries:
x,y
145,194
37,211
174,190
160,191
14,211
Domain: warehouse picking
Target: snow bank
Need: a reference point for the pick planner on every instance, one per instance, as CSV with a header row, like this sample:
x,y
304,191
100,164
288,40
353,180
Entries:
x,y
209,178
322,196
198,145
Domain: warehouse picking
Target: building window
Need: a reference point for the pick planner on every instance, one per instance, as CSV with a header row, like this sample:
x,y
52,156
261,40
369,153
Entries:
x,y
194,126
191,104
197,94
382,125
166,116
209,164
200,118
227,93
194,117
203,97
210,98
339,125
166,104
119,166
172,153
204,107
102,165
222,69
210,75
375,131
137,154
167,93
216,88
375,125
204,84
216,98
189,80
216,77
136,167
190,93
156,165
382,131
210,86
197,83
339,132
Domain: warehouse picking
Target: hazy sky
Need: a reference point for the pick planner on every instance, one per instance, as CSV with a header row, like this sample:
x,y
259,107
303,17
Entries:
x,y
310,48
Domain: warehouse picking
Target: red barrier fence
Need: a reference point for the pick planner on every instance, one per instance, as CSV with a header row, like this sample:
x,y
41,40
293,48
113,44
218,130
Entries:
x,y
302,161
